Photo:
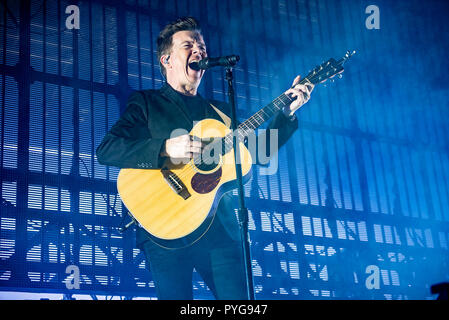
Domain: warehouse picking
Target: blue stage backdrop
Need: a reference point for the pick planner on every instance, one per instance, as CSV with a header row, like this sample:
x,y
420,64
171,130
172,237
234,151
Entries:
x,y
358,208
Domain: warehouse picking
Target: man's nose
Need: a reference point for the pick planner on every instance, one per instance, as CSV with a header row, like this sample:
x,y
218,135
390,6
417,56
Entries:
x,y
198,50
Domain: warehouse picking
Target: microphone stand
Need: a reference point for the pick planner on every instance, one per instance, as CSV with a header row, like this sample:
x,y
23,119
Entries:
x,y
243,211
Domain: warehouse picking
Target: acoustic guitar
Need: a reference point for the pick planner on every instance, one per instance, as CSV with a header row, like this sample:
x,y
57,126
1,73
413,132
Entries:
x,y
177,204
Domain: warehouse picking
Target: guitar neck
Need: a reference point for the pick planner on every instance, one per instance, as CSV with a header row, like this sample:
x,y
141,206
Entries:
x,y
318,75
264,114
260,117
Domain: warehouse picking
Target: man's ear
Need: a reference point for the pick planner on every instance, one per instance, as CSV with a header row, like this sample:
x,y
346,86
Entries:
x,y
164,59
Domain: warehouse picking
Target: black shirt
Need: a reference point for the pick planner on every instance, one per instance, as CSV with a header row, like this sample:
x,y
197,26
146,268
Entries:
x,y
196,105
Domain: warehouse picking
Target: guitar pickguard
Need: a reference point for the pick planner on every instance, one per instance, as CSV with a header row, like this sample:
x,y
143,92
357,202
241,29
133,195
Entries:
x,y
205,183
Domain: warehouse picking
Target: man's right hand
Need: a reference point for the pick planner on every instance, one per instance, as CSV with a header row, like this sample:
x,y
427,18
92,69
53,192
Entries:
x,y
182,148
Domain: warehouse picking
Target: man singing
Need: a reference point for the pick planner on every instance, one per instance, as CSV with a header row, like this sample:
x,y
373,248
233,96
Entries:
x,y
141,139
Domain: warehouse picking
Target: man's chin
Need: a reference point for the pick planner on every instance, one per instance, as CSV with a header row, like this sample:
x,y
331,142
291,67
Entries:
x,y
194,75
195,79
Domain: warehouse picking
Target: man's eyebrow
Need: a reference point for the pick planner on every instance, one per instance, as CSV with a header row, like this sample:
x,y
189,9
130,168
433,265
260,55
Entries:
x,y
192,41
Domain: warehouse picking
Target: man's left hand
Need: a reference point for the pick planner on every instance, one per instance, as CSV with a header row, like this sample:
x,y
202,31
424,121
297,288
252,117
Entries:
x,y
300,93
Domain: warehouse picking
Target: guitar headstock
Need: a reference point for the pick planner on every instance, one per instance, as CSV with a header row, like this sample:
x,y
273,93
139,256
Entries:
x,y
328,69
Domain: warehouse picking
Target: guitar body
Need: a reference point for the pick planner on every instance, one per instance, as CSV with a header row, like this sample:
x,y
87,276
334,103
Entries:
x,y
177,218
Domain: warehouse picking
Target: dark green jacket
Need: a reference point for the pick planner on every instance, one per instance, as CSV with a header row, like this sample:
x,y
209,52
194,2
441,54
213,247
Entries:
x,y
136,139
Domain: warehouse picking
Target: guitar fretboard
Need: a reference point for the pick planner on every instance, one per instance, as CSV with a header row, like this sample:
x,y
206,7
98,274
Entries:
x,y
260,117
263,115
318,75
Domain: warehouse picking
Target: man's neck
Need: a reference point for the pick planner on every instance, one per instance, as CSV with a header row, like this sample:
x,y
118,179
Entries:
x,y
184,89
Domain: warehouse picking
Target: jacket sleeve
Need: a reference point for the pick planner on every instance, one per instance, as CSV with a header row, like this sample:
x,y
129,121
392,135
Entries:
x,y
129,143
285,126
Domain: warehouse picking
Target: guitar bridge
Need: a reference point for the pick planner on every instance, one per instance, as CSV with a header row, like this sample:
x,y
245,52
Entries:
x,y
175,183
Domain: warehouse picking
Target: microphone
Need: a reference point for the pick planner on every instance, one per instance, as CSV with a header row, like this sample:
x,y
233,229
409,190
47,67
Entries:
x,y
206,63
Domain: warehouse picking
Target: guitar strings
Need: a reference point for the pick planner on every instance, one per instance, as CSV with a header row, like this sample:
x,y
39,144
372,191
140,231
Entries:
x,y
190,167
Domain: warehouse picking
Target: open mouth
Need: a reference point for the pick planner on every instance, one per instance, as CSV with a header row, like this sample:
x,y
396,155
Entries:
x,y
194,71
193,65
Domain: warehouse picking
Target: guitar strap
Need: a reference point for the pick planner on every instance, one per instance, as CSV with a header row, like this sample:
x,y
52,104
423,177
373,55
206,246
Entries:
x,y
226,119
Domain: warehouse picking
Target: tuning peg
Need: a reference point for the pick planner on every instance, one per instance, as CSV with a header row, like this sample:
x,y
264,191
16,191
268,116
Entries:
x,y
350,53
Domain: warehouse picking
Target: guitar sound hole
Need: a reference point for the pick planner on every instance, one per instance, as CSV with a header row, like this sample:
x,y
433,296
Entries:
x,y
210,158
205,166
